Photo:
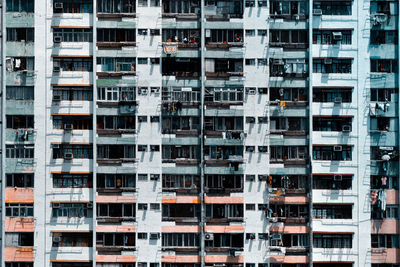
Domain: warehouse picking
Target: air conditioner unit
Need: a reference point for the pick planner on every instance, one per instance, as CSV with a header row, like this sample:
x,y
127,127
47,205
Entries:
x,y
346,128
154,177
338,100
89,205
317,12
262,149
337,177
56,239
56,98
209,236
250,120
68,156
337,148
58,5
337,36
55,205
154,235
68,127
57,39
328,61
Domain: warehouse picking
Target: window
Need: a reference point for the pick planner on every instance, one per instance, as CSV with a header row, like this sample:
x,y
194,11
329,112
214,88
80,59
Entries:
x,y
111,94
262,62
30,264
332,37
142,235
250,206
222,182
142,31
142,177
20,34
223,211
20,179
288,67
74,6
172,211
180,240
154,148
20,151
116,6
77,122
18,239
391,212
77,151
332,65
154,32
224,36
155,60
279,8
19,121
19,209
116,122
173,124
175,181
116,151
226,241
72,64
384,65
19,92
336,8
74,264
384,182
332,124
73,93
328,94
384,241
227,94
118,64
332,211
339,152
72,180
279,153
250,32
154,3
383,94
117,210
223,152
154,118
116,35
180,152
142,148
288,94
282,37
340,182
71,210
20,6
250,61
262,32
115,239
142,206
378,37
142,60
111,181
154,206
20,64
250,3
72,239
73,34
332,240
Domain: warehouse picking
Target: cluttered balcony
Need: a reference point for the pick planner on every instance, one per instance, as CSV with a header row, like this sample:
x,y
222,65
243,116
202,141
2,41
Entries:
x,y
115,67
224,38
223,155
223,10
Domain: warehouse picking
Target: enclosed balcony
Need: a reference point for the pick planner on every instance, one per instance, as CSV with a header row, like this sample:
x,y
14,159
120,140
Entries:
x,y
288,155
180,242
223,39
223,155
182,213
223,184
116,8
116,67
70,6
287,213
181,68
115,243
181,183
223,97
289,244
181,154
116,183
224,242
289,10
116,125
116,154
288,184
72,239
181,9
224,213
175,99
217,68
116,212
223,10
183,38
181,125
289,68
116,38
289,126
289,39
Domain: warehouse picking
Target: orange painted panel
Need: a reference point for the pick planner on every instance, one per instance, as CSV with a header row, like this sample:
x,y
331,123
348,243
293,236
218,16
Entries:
x,y
386,255
223,258
392,197
180,229
180,259
116,199
19,195
224,228
224,200
387,226
116,258
116,228
296,200
290,229
289,259
18,254
19,224
181,199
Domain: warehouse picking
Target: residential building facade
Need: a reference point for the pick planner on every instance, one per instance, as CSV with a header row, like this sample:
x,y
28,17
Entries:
x,y
191,133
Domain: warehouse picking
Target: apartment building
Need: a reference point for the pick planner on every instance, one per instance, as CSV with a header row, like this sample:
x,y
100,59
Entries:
x,y
191,133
